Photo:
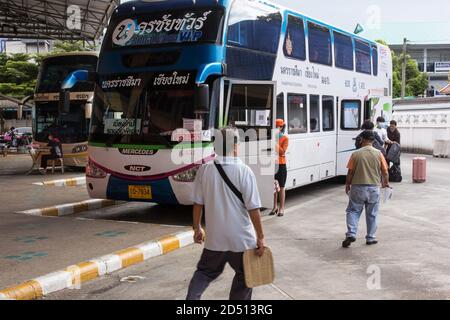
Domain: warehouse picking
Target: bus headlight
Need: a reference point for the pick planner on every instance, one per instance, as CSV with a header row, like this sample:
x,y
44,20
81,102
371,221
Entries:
x,y
186,176
93,171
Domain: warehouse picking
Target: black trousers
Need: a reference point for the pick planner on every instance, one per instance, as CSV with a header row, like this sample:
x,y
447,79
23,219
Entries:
x,y
211,266
45,158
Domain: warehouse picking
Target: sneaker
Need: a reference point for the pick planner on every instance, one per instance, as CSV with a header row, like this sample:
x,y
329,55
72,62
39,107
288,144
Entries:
x,y
371,242
348,241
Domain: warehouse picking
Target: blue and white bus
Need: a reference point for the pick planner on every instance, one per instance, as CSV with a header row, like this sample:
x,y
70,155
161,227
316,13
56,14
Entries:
x,y
169,65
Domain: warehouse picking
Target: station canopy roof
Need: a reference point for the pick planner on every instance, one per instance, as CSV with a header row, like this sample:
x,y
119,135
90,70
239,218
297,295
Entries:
x,y
55,19
446,90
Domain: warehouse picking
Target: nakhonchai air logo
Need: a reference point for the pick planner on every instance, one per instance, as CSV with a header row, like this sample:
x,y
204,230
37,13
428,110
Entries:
x,y
124,32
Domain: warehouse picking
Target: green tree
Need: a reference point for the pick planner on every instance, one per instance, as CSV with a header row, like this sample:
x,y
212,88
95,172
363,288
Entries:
x,y
70,46
416,81
18,73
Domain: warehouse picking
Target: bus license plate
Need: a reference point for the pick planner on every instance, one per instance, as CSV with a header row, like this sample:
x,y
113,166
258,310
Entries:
x,y
140,192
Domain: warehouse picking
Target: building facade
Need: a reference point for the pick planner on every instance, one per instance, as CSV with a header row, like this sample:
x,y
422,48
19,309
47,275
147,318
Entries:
x,y
434,59
9,116
25,46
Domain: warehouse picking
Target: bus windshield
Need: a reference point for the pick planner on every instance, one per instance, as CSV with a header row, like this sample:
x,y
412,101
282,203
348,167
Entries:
x,y
143,108
70,127
55,70
199,25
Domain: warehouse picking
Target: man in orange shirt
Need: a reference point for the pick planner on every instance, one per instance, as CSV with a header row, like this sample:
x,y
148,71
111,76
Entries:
x,y
367,169
281,175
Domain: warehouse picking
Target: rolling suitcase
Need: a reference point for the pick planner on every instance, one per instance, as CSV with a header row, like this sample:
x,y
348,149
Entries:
x,y
419,169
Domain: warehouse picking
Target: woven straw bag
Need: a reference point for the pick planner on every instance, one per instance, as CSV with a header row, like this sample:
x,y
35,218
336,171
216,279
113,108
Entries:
x,y
258,271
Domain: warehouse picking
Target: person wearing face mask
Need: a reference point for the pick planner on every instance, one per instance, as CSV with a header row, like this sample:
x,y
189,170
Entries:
x,y
381,130
281,173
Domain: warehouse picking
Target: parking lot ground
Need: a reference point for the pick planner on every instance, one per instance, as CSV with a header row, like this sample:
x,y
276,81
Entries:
x,y
410,262
33,246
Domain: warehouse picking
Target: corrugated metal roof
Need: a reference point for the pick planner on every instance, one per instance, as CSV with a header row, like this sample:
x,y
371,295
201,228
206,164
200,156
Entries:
x,y
446,90
8,104
55,19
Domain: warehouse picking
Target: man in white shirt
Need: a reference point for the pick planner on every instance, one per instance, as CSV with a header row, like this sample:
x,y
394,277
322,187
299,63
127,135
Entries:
x,y
233,225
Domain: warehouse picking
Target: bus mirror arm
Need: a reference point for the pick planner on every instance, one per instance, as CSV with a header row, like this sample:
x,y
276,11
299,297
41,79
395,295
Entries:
x,y
78,76
69,82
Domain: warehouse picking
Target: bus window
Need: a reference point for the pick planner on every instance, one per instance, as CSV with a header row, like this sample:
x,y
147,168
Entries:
x,y
256,28
251,108
294,43
314,113
328,113
351,115
319,44
297,113
252,40
343,51
375,60
363,63
280,106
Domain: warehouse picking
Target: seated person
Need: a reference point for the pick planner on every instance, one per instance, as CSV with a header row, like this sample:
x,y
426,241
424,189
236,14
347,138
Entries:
x,y
296,126
55,152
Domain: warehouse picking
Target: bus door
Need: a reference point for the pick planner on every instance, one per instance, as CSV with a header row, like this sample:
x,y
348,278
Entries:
x,y
250,107
351,113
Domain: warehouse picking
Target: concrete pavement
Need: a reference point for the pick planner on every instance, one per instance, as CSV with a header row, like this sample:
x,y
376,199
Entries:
x,y
33,246
410,262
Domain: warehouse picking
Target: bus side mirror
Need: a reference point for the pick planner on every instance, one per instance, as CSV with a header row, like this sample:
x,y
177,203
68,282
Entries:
x,y
88,110
202,97
64,101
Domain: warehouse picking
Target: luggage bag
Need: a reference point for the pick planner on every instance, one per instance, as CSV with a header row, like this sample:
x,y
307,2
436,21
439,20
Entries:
x,y
419,169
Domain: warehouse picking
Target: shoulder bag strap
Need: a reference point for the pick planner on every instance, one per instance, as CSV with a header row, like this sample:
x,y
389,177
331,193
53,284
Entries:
x,y
229,183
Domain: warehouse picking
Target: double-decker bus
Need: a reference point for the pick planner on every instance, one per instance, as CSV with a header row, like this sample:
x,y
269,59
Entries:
x,y
208,64
70,126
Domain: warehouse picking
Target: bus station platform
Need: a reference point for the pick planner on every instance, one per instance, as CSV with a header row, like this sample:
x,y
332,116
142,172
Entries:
x,y
410,262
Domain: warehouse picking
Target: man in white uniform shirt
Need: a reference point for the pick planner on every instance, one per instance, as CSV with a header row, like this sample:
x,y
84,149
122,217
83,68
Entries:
x,y
233,225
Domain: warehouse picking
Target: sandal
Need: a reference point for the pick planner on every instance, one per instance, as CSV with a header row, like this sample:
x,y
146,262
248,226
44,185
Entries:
x,y
273,212
281,214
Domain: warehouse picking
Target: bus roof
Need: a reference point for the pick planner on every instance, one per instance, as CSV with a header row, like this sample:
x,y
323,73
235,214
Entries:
x,y
141,5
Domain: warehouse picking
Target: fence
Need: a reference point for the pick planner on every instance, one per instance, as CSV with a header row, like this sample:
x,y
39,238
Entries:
x,y
424,124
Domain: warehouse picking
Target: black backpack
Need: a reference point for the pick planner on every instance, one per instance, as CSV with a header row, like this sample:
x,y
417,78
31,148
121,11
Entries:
x,y
395,174
393,154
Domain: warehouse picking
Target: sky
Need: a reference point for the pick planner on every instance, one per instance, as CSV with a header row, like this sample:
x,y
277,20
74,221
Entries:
x,y
420,21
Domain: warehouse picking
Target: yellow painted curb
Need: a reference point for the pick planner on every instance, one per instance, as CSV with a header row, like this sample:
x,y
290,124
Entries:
x,y
72,182
83,272
71,208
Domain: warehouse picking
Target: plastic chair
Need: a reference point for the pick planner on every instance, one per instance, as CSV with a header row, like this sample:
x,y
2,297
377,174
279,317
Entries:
x,y
54,164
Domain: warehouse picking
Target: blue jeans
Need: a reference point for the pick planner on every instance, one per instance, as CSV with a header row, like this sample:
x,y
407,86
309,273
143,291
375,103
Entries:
x,y
361,196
